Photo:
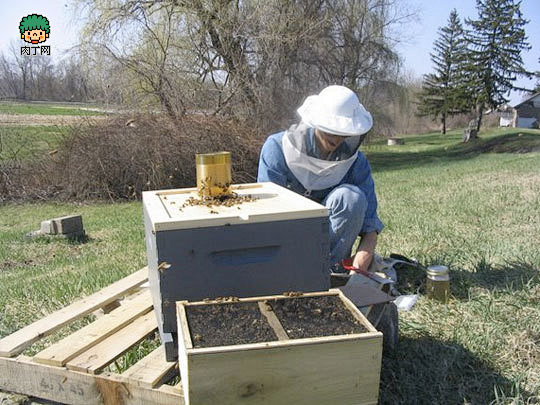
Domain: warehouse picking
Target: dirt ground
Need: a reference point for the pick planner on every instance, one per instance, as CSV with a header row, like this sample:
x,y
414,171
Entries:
x,y
37,119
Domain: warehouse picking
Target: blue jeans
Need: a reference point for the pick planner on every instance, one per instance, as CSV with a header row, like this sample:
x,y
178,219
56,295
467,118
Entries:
x,y
347,206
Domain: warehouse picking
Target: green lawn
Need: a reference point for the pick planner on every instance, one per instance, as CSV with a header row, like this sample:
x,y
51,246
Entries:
x,y
46,108
24,142
442,202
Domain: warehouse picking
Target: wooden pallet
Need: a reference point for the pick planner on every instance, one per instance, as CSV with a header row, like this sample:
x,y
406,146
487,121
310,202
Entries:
x,y
70,371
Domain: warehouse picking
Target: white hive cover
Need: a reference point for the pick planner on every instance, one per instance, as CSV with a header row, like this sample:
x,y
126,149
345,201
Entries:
x,y
166,209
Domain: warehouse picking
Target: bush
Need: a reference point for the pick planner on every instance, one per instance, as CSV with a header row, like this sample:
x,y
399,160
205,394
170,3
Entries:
x,y
119,158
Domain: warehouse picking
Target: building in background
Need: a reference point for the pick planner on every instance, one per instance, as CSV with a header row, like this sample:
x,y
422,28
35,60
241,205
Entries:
x,y
527,112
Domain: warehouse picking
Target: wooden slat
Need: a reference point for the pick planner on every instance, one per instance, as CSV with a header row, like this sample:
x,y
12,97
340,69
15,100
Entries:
x,y
15,343
176,389
263,298
70,387
73,345
114,346
151,370
273,321
182,324
345,372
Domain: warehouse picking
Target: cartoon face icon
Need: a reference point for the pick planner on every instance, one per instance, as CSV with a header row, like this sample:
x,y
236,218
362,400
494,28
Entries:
x,y
34,28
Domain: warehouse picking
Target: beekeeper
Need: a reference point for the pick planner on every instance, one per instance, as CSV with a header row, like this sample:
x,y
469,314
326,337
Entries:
x,y
319,158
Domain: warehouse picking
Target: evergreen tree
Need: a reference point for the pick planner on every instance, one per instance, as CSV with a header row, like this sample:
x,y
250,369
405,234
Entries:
x,y
442,92
537,87
496,40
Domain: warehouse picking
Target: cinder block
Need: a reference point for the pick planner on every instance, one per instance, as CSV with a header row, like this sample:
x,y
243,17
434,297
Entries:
x,y
48,227
69,224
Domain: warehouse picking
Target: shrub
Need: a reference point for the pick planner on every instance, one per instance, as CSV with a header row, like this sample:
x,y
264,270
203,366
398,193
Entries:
x,y
118,158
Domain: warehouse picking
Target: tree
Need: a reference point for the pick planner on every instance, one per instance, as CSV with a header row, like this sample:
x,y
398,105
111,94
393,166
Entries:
x,y
250,58
442,92
537,74
496,40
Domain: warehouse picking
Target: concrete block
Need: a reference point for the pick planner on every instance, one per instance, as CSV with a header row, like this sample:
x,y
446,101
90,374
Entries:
x,y
71,224
48,227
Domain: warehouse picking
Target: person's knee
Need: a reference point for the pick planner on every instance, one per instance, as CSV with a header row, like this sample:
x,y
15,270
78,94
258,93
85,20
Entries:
x,y
349,197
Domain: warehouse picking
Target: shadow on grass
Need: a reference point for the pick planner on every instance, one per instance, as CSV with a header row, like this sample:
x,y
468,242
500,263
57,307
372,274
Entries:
x,y
69,239
512,276
515,142
427,371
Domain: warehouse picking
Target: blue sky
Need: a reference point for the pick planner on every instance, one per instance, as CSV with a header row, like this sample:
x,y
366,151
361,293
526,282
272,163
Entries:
x,y
434,14
415,49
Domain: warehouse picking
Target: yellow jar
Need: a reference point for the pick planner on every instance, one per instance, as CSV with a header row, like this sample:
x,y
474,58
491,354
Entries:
x,y
213,174
438,283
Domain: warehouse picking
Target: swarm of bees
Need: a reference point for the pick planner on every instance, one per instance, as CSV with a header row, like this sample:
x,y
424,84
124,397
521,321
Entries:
x,y
293,293
226,199
221,299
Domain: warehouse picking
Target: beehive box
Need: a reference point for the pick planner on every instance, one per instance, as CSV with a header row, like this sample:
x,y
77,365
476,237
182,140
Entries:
x,y
334,369
278,242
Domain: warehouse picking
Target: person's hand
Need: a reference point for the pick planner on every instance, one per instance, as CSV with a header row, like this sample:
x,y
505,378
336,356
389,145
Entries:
x,y
362,260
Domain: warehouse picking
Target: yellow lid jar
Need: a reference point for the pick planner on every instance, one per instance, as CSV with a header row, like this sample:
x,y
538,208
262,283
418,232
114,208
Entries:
x,y
438,283
213,173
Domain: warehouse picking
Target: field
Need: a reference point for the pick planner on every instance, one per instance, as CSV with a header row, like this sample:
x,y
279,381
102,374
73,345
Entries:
x,y
25,142
474,207
40,108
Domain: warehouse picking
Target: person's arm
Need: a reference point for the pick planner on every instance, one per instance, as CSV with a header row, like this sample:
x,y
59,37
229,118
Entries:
x,y
366,248
272,166
361,177
372,224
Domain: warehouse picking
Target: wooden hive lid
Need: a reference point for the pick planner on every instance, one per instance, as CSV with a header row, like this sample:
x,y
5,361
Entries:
x,y
166,209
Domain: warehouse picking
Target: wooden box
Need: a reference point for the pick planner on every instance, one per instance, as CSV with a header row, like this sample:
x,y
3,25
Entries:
x,y
338,369
277,242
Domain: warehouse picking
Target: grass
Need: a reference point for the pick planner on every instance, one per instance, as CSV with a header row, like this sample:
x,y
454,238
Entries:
x,y
46,108
26,142
463,205
452,203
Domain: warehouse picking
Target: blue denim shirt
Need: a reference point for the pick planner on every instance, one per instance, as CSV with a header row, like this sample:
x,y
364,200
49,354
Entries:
x,y
273,167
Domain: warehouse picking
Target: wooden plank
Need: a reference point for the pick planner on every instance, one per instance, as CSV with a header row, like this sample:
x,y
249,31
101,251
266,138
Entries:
x,y
345,372
182,322
152,370
184,343
114,346
15,343
263,298
273,321
176,389
285,343
70,387
73,345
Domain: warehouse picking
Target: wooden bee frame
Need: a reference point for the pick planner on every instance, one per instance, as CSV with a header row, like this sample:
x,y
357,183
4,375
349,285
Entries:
x,y
341,369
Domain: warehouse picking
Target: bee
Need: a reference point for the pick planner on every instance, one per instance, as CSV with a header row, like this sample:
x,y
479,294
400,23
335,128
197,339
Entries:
x,y
163,266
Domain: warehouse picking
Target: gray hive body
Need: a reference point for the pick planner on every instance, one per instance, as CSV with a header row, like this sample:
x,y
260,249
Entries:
x,y
277,243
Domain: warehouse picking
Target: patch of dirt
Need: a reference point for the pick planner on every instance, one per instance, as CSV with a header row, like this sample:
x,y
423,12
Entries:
x,y
228,324
38,119
11,265
315,316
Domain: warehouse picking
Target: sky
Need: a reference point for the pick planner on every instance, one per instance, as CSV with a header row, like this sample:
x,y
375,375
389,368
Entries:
x,y
433,14
414,48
